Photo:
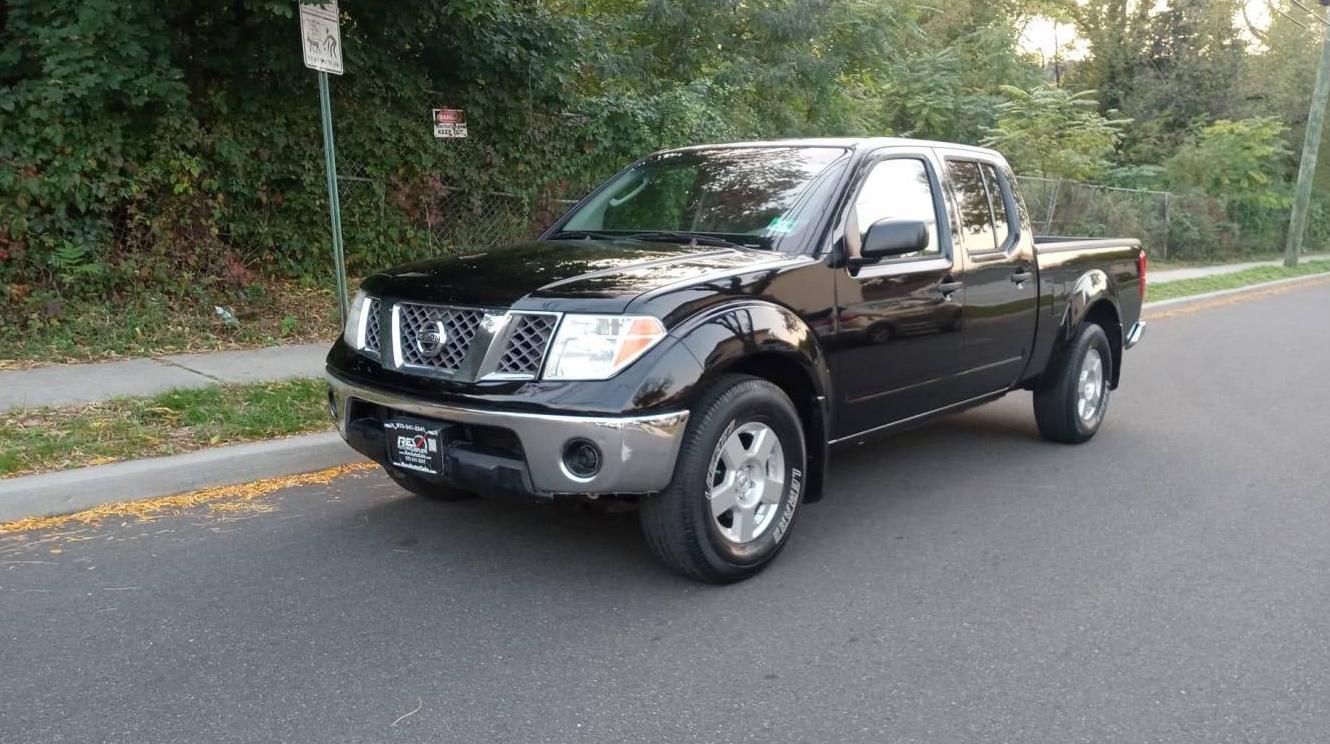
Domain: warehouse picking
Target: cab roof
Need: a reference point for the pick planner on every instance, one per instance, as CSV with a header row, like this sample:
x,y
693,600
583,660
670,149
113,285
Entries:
x,y
849,143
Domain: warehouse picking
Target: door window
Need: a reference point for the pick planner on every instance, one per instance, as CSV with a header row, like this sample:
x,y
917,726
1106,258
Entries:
x,y
996,202
899,188
976,211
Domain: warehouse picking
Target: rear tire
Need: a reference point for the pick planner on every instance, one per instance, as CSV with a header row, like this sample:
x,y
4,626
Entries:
x,y
426,489
737,484
1070,402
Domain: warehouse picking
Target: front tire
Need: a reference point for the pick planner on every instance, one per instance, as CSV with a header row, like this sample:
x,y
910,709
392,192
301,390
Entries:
x,y
737,484
426,489
1070,403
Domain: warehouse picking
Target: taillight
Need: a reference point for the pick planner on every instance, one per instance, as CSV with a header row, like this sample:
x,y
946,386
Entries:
x,y
1141,265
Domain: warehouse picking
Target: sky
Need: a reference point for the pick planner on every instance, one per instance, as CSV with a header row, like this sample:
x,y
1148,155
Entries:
x,y
1043,36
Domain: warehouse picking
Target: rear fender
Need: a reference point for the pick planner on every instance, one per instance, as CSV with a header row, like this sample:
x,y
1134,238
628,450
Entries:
x,y
1093,291
1093,286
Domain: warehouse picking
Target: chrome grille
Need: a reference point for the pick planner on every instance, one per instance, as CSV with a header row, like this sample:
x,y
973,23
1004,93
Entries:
x,y
526,344
459,326
372,327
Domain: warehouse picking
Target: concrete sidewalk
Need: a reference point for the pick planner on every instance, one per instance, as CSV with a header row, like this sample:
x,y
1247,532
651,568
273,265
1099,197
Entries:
x,y
72,384
1199,272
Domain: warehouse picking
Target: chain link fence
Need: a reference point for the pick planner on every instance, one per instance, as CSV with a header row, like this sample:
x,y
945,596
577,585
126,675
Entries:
x,y
1169,225
460,219
364,203
447,215
1060,207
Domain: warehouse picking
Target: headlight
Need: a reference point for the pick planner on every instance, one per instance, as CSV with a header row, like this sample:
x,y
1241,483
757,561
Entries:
x,y
356,316
596,347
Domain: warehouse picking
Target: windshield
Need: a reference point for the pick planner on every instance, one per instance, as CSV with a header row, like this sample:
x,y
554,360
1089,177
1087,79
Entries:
x,y
757,196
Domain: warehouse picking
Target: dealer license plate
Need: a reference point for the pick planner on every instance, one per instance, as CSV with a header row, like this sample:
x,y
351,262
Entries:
x,y
415,445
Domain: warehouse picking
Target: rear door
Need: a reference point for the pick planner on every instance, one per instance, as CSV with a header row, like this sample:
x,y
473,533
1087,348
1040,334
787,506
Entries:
x,y
1001,291
899,321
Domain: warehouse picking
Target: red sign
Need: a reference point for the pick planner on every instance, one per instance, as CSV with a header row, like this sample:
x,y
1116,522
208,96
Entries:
x,y
449,123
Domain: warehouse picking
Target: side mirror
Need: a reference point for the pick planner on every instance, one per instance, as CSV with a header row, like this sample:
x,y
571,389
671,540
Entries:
x,y
890,237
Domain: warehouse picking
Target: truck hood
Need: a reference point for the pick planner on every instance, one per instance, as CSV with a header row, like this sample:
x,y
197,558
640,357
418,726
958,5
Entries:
x,y
599,275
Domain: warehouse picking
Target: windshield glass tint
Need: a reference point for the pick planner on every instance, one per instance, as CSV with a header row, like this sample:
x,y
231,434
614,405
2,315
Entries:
x,y
767,194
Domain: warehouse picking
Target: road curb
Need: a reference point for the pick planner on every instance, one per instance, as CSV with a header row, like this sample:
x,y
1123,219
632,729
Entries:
x,y
68,491
1159,304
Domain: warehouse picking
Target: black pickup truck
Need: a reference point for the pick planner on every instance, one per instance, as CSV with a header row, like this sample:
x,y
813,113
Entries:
x,y
701,332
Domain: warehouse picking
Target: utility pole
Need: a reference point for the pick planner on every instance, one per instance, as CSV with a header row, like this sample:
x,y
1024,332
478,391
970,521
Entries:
x,y
1311,143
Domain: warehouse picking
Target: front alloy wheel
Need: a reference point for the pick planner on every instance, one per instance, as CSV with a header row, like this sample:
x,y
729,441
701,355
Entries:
x,y
737,484
747,482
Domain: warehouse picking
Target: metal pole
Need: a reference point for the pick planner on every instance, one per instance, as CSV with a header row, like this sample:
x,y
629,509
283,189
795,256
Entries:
x,y
334,203
1052,206
1311,142
1168,222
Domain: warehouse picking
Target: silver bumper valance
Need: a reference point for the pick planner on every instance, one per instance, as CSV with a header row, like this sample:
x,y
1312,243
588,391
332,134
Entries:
x,y
639,451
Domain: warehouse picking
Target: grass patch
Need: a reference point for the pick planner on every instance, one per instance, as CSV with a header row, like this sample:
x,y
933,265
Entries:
x,y
84,331
45,439
1187,287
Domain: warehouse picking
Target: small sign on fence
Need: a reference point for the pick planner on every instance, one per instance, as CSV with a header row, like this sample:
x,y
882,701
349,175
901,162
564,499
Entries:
x,y
449,123
321,37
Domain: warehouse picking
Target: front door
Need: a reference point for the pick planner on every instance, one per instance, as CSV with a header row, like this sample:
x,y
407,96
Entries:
x,y
899,320
1001,294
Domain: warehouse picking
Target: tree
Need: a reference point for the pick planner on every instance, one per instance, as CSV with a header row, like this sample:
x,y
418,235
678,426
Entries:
x,y
1186,74
1115,31
1055,133
1244,162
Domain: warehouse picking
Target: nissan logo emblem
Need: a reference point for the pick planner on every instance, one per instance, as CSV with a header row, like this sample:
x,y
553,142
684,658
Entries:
x,y
431,339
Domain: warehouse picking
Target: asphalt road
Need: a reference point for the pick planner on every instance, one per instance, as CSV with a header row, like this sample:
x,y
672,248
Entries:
x,y
1168,582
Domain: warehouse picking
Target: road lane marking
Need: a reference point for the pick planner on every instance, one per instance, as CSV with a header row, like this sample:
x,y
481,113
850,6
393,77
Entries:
x,y
219,498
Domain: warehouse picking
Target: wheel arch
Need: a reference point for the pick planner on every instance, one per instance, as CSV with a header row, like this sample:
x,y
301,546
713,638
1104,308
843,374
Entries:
x,y
1105,315
773,343
1093,300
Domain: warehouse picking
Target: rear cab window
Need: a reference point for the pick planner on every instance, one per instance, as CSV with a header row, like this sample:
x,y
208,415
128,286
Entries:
x,y
998,204
982,198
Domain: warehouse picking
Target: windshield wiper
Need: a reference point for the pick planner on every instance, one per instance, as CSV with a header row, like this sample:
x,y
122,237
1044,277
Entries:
x,y
581,234
690,237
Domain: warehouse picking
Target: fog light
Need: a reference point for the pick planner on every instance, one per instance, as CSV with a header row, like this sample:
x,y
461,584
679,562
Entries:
x,y
581,459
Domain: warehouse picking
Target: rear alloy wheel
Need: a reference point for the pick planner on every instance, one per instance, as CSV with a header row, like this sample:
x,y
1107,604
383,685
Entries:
x,y
1069,405
1090,387
426,489
737,484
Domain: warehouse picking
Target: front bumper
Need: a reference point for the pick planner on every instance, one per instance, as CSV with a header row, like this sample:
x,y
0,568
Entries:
x,y
638,452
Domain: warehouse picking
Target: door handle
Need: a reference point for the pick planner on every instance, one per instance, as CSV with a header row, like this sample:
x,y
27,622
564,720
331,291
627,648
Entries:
x,y
1021,277
947,288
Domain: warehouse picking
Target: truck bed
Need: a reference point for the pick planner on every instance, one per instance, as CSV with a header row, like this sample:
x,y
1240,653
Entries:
x,y
1059,243
1063,262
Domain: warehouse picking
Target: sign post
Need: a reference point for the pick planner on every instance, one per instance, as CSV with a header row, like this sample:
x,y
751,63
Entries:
x,y
321,40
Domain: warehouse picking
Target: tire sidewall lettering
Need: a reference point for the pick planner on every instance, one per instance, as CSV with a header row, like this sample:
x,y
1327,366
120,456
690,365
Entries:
x,y
792,497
